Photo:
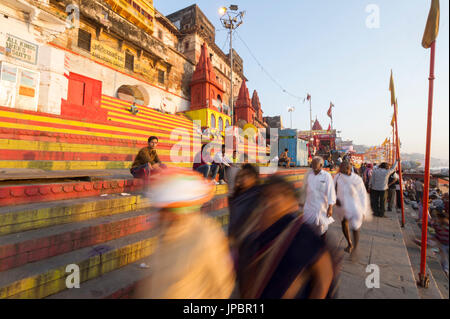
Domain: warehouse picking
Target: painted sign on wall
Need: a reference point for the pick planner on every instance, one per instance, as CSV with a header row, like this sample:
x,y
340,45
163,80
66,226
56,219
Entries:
x,y
107,54
21,49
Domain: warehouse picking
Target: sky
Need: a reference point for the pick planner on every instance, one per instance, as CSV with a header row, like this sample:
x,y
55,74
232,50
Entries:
x,y
337,52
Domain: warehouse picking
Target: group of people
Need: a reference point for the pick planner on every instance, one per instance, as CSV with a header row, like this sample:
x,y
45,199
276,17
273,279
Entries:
x,y
276,245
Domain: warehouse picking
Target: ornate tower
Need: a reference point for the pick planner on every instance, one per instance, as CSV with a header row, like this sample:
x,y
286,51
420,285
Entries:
x,y
207,96
243,109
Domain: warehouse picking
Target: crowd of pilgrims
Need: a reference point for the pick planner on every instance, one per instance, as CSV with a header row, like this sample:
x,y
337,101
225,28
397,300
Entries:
x,y
276,243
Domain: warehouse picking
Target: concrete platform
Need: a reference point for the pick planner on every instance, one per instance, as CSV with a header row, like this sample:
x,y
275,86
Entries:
x,y
381,244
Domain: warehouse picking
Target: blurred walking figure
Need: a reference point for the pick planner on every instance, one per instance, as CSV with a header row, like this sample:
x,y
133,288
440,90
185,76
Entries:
x,y
352,204
320,197
283,257
192,258
367,175
243,201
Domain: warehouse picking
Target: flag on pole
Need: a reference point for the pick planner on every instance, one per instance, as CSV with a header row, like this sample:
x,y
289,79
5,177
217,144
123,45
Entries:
x,y
330,115
307,98
432,27
391,88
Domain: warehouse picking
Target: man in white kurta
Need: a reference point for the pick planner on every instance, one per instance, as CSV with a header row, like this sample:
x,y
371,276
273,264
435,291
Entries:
x,y
320,197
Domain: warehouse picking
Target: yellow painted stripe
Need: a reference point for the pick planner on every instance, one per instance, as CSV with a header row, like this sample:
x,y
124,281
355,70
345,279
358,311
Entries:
x,y
76,148
172,117
151,123
90,133
175,130
53,281
77,165
38,118
146,115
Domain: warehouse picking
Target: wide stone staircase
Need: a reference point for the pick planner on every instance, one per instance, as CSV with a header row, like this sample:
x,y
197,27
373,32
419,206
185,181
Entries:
x,y
105,226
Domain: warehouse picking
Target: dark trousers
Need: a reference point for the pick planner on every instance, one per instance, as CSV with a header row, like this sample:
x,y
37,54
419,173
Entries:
x,y
391,198
419,196
399,200
378,202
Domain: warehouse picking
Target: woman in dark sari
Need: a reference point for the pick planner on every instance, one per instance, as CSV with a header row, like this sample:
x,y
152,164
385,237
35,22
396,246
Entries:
x,y
283,257
241,203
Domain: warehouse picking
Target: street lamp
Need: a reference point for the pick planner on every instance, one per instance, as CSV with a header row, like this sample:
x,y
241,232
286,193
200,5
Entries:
x,y
231,19
290,110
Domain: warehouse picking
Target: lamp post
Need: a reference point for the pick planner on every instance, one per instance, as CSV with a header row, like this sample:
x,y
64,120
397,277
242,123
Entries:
x,y
231,19
290,110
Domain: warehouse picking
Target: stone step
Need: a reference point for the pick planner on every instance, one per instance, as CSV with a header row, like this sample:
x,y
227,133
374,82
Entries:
x,y
46,192
120,283
117,284
14,219
48,276
34,245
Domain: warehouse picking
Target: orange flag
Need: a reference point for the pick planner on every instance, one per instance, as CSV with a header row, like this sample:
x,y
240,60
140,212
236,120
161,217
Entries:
x,y
432,27
391,88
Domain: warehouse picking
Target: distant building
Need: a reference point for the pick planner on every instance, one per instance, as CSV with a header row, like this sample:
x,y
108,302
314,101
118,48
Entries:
x,y
273,121
323,140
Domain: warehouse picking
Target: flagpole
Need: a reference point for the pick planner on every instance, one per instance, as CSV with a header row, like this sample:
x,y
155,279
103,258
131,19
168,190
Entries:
x,y
310,127
393,146
399,165
423,278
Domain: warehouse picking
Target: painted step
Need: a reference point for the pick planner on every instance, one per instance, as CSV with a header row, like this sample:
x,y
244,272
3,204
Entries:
x,y
120,284
46,192
14,219
116,284
34,245
47,277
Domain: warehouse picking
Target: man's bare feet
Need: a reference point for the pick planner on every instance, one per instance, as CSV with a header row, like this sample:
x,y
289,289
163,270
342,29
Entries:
x,y
349,249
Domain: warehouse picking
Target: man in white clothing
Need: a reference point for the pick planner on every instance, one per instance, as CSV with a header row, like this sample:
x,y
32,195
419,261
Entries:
x,y
222,163
320,197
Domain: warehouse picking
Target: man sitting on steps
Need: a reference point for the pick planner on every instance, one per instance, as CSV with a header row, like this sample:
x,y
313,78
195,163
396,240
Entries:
x,y
284,158
147,161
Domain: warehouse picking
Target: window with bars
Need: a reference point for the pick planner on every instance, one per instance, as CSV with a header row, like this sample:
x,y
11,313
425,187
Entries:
x,y
129,61
84,40
161,76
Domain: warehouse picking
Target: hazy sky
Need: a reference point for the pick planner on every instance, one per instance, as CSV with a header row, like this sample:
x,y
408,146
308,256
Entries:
x,y
325,48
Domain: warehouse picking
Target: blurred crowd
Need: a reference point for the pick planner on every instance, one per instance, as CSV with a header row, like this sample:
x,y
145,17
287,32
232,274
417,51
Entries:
x,y
275,244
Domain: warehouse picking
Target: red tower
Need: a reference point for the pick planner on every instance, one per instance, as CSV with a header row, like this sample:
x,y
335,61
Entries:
x,y
257,107
206,91
317,126
243,109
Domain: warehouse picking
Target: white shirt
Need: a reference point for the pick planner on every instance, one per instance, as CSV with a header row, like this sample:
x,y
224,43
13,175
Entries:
x,y
219,158
320,194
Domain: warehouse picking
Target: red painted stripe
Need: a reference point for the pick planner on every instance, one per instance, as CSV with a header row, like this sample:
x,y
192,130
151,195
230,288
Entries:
x,y
71,156
182,120
86,129
30,135
14,195
15,255
145,122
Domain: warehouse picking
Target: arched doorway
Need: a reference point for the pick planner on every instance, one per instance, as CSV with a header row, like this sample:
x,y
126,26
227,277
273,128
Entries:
x,y
133,93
